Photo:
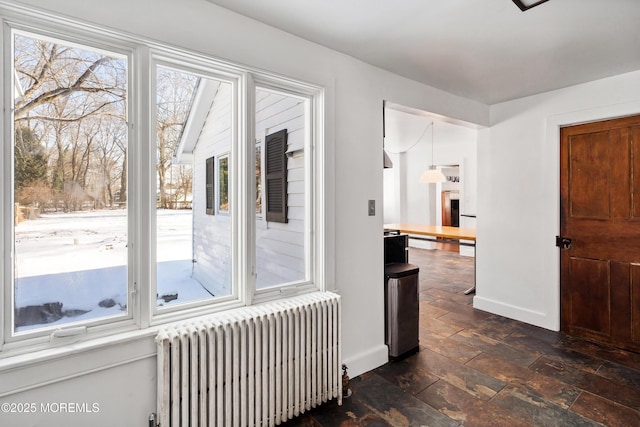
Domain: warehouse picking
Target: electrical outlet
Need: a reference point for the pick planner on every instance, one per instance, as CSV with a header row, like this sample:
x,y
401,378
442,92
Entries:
x,y
372,208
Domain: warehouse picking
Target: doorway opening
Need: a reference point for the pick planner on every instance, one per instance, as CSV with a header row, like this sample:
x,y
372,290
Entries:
x,y
416,140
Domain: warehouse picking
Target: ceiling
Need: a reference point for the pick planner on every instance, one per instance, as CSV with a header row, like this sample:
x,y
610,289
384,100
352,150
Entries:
x,y
486,50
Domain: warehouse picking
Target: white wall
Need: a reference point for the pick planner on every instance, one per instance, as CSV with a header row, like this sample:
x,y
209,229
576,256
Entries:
x,y
518,194
354,95
112,396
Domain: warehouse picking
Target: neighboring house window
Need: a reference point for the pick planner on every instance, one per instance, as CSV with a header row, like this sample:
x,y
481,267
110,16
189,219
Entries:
x,y
210,185
258,177
100,238
276,176
223,184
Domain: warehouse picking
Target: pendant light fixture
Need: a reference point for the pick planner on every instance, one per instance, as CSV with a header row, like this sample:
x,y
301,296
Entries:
x,y
432,175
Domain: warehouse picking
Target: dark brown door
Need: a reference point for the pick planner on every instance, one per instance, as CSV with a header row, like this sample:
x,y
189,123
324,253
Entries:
x,y
446,220
600,212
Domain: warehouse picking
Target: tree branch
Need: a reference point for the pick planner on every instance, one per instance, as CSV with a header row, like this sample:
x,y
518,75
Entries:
x,y
66,119
60,92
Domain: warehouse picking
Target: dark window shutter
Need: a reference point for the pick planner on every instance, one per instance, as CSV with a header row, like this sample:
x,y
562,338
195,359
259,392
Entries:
x,y
276,176
209,178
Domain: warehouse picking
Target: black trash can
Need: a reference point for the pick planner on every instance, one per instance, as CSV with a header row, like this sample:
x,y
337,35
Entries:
x,y
402,308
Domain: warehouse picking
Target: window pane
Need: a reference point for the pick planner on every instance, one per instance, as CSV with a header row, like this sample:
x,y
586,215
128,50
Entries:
x,y
223,184
281,232
70,183
258,179
193,244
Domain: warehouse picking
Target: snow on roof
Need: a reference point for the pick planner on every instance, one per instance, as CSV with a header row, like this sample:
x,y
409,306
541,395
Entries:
x,y
202,102
18,92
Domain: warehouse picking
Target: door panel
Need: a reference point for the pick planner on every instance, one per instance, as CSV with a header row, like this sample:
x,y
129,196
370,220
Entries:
x,y
635,304
635,146
589,176
621,276
589,294
600,212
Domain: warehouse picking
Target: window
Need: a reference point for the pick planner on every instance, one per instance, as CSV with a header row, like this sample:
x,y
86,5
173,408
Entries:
x,y
112,199
258,178
223,184
70,185
194,127
282,234
210,185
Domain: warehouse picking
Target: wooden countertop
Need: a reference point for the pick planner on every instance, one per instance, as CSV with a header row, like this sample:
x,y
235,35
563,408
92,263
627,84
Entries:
x,y
434,230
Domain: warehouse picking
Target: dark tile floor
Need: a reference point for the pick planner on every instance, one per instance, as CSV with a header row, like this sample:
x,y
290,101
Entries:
x,y
479,369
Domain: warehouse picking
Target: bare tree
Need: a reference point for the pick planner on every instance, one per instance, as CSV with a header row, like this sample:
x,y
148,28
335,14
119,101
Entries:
x,y
110,156
76,100
49,71
175,95
69,93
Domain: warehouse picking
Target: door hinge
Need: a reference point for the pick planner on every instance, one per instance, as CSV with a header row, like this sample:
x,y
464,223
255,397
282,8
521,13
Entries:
x,y
563,242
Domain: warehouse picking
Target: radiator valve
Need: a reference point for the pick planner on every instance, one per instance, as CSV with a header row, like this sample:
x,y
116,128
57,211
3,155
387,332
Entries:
x,y
346,391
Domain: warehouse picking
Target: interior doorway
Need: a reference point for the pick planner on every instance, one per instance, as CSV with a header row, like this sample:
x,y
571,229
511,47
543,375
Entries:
x,y
450,203
450,211
413,149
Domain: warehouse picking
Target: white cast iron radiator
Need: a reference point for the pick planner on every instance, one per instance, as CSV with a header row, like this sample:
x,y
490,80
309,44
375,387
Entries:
x,y
254,366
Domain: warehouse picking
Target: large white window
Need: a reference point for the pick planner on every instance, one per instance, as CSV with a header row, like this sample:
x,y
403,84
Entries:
x,y
144,184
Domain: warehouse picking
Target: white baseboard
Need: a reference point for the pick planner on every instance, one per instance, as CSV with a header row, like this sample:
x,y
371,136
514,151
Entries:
x,y
536,318
366,361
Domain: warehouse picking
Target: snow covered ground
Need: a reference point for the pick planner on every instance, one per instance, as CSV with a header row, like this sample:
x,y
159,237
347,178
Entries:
x,y
79,259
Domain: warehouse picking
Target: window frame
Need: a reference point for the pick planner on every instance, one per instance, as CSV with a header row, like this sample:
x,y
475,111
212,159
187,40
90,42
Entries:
x,y
71,36
207,68
142,56
96,45
314,163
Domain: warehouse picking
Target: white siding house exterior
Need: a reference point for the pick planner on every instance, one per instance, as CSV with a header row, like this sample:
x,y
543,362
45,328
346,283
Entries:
x,y
280,246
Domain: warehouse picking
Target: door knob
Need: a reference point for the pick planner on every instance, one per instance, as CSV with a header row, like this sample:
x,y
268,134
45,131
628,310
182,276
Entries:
x,y
563,242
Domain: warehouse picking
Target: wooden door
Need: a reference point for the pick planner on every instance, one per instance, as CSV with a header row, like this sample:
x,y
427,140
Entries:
x,y
600,212
446,220
446,208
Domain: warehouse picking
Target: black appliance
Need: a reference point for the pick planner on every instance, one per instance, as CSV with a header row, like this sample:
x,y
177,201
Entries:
x,y
401,301
396,248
